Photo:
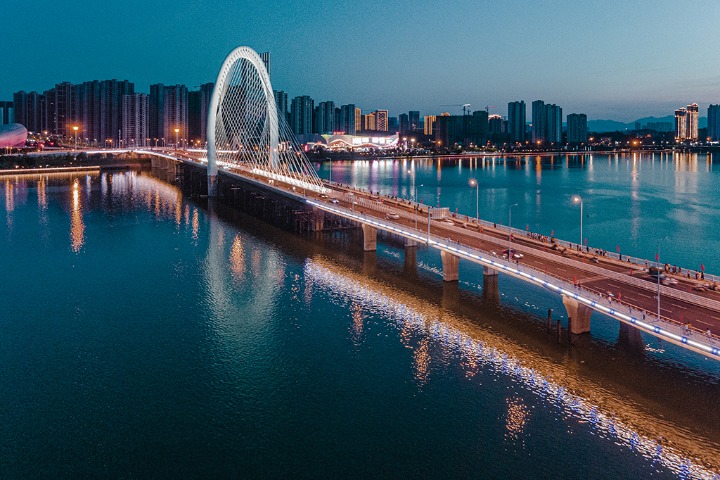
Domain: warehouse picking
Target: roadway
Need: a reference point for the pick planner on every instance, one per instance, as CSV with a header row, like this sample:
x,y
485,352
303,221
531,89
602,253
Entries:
x,y
621,283
587,271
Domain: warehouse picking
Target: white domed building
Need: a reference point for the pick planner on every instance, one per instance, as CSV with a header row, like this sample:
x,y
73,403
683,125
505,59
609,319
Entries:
x,y
13,135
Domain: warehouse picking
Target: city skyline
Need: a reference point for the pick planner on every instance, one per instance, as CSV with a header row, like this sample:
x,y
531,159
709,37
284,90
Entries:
x,y
591,59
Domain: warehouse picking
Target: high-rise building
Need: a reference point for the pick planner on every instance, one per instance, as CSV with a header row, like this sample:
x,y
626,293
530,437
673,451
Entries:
x,y
47,112
404,123
462,130
325,118
553,123
393,124
281,102
429,127
692,118
538,121
381,120
496,125
168,112
337,120
198,106
348,120
577,128
369,122
714,122
194,117
516,120
681,133
265,57
135,120
111,96
414,118
66,111
686,123
90,112
7,113
301,115
27,110
175,115
546,122
156,127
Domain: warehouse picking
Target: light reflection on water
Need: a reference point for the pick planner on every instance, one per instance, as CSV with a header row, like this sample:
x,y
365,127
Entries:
x,y
630,200
627,426
237,263
77,227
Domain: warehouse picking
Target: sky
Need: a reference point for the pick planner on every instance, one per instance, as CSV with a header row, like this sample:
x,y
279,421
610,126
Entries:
x,y
610,59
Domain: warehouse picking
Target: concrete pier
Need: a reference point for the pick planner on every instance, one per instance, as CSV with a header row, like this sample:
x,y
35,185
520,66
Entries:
x,y
212,186
369,238
450,266
580,314
487,272
491,291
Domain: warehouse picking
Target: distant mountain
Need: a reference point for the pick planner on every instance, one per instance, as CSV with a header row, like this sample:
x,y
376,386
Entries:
x,y
613,125
606,126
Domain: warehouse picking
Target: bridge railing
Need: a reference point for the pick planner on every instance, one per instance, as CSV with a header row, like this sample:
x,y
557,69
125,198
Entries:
x,y
668,292
611,304
627,279
642,262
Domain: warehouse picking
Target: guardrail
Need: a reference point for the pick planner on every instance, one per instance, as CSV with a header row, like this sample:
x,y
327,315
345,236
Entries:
x,y
642,262
661,327
620,277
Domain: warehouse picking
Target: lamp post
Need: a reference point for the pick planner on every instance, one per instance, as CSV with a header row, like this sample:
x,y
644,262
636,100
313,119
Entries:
x,y
657,258
578,199
417,204
75,128
476,184
177,139
510,229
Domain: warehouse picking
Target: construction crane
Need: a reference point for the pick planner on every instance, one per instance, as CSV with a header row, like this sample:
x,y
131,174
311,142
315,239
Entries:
x,y
465,107
488,107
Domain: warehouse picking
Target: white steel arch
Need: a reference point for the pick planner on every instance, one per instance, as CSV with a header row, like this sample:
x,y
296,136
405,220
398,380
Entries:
x,y
244,130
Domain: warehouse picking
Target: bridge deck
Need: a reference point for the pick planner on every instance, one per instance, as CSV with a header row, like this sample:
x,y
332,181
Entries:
x,y
688,317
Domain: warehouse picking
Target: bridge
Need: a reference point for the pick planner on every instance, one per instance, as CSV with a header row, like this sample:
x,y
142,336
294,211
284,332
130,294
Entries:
x,y
249,142
250,145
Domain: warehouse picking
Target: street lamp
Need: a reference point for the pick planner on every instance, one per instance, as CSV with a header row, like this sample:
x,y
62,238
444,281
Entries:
x,y
578,199
417,205
177,138
476,184
75,128
510,229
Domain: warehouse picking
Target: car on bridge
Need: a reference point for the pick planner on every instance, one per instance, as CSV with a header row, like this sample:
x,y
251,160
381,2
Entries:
x,y
392,216
515,254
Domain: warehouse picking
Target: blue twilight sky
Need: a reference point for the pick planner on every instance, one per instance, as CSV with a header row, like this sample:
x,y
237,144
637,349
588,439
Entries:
x,y
610,59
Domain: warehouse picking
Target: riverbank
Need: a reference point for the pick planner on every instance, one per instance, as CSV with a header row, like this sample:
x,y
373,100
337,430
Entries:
x,y
70,162
349,156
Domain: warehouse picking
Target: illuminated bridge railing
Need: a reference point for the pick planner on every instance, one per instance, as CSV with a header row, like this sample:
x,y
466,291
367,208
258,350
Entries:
x,y
664,328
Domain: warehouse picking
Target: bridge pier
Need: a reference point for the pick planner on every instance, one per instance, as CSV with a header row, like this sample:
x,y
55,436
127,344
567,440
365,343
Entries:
x,y
212,185
491,291
489,272
580,314
630,338
450,266
409,242
369,237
